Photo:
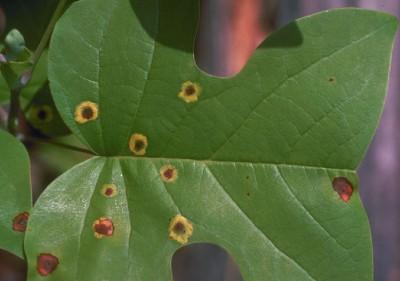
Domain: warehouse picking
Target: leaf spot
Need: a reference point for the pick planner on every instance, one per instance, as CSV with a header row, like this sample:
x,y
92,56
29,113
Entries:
x,y
343,187
109,190
86,111
103,227
180,229
168,173
20,222
46,264
41,114
190,92
332,80
138,144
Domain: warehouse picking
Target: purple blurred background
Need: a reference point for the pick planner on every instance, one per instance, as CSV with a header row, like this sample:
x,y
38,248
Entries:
x,y
229,32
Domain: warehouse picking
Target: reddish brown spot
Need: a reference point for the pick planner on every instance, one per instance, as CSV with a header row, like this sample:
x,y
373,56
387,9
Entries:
x,y
103,227
46,264
169,173
343,187
179,228
109,191
20,222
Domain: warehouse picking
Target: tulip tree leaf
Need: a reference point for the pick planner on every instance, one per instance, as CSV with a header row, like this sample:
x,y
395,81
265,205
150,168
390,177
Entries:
x,y
15,193
261,163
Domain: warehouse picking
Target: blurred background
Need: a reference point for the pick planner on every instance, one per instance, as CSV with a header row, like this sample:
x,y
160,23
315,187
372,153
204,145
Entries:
x,y
230,30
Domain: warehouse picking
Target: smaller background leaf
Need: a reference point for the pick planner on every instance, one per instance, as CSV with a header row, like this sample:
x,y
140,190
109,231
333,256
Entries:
x,y
43,116
15,193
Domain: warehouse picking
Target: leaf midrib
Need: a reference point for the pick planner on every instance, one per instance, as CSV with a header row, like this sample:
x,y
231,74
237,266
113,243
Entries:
x,y
227,162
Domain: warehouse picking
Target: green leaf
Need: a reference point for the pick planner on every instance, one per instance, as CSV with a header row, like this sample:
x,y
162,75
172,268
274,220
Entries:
x,y
260,157
15,193
278,221
281,108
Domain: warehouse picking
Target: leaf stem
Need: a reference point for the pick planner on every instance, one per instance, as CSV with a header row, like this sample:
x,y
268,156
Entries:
x,y
3,117
59,144
14,111
49,30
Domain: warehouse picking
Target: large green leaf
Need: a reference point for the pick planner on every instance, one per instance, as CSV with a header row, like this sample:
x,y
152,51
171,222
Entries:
x,y
259,156
282,107
15,193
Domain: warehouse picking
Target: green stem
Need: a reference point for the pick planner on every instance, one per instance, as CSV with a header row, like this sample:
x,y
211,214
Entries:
x,y
15,93
3,118
49,30
59,144
14,112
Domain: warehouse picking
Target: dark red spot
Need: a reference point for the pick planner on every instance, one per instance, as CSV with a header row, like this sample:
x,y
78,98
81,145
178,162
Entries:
x,y
343,187
179,228
169,173
87,112
46,264
190,90
20,222
104,227
109,191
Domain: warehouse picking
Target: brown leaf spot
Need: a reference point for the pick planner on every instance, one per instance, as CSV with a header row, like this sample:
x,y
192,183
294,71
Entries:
x,y
40,115
86,111
190,92
168,173
46,264
138,144
103,227
343,187
332,79
180,229
109,190
20,222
